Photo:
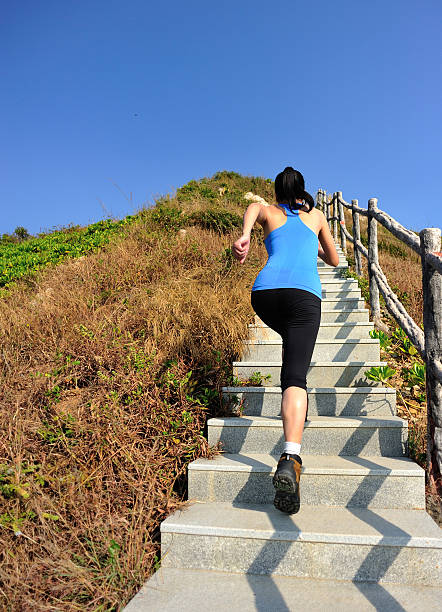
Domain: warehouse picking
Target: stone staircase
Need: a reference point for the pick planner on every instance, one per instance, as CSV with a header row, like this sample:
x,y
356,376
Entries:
x,y
362,538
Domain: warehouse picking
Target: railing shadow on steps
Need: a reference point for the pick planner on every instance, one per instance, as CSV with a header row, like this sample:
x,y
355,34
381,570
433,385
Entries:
x,y
373,591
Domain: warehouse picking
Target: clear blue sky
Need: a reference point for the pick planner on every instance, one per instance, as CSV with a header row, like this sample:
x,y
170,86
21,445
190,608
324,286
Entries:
x,y
108,104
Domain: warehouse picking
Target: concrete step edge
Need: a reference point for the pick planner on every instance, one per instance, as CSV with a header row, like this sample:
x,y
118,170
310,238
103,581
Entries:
x,y
343,281
343,299
346,312
316,390
322,364
337,341
403,528
326,324
314,421
188,590
344,465
358,310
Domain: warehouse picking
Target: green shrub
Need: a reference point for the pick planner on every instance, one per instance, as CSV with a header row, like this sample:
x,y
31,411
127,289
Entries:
x,y
23,258
220,221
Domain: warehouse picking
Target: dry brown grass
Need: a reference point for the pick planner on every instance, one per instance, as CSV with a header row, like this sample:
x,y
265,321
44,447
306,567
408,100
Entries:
x,y
109,367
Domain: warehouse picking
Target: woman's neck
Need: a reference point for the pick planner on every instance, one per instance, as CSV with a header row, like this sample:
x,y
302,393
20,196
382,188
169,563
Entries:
x,y
285,206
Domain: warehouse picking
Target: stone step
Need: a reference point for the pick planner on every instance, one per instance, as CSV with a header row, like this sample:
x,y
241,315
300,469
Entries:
x,y
341,293
343,263
369,482
332,542
327,271
323,435
329,315
342,303
319,373
323,401
340,253
331,275
325,349
342,284
326,330
188,590
338,293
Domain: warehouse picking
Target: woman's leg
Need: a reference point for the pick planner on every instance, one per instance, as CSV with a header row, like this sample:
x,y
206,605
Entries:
x,y
293,413
295,314
302,313
294,405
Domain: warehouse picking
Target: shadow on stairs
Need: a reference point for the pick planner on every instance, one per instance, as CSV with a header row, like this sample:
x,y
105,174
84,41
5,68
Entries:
x,y
362,538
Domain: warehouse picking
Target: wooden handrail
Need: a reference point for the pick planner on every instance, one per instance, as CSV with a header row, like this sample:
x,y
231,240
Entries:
x,y
427,342
398,230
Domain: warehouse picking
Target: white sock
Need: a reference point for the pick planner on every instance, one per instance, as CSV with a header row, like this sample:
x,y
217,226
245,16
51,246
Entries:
x,y
294,448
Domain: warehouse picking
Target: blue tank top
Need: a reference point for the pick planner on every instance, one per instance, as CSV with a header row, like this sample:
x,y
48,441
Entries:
x,y
293,251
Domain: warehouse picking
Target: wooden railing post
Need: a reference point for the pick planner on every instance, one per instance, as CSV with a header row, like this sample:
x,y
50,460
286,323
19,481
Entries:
x,y
356,236
320,200
373,259
342,223
328,204
335,216
432,318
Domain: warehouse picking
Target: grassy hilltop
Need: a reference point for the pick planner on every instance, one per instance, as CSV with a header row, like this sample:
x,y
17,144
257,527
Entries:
x,y
115,341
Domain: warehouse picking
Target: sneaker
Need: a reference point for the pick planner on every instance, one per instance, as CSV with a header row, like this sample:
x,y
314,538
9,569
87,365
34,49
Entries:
x,y
286,483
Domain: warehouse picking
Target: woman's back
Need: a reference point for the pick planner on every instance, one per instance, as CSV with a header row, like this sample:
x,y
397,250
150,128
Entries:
x,y
292,249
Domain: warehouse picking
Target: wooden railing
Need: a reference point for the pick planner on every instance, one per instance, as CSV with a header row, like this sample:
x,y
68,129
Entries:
x,y
429,341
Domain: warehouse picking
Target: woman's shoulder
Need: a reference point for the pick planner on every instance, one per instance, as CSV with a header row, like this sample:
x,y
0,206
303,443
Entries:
x,y
263,211
315,212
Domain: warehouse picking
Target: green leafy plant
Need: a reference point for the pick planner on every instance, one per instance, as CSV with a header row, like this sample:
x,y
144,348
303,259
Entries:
x,y
13,481
404,343
384,339
416,379
15,521
380,373
59,430
25,257
415,375
257,378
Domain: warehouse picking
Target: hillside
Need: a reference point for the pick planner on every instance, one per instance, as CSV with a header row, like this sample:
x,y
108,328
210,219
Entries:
x,y
114,352
110,363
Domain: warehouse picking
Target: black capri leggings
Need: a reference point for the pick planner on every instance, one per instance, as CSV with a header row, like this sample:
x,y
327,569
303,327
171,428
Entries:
x,y
295,314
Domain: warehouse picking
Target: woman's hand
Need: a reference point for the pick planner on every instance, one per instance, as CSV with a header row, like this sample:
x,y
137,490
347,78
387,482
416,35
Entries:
x,y
241,247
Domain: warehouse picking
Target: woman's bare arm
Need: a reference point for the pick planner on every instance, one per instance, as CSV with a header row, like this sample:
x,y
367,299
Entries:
x,y
254,212
328,252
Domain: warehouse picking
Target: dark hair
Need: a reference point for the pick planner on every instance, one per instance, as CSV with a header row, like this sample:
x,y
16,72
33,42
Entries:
x,y
289,186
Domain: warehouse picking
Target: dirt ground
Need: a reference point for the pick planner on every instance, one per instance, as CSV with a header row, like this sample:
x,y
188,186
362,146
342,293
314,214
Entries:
x,y
434,507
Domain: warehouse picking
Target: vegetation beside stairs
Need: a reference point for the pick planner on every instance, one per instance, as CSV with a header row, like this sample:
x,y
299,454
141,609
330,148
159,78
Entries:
x,y
113,356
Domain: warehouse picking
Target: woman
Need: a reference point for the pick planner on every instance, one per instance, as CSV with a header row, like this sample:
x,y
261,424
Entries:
x,y
286,296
